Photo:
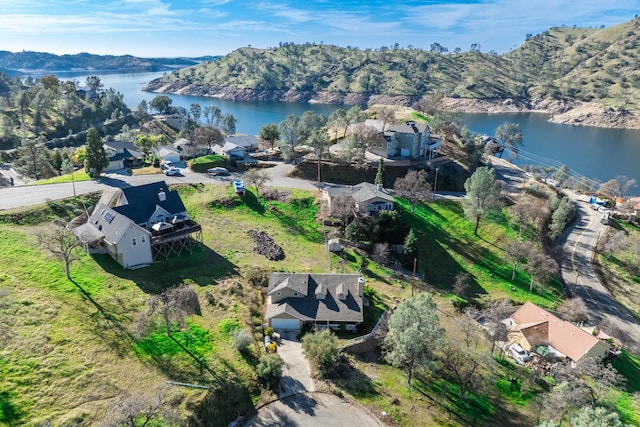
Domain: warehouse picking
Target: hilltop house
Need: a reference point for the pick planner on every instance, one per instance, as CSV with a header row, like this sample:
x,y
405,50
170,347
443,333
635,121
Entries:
x,y
189,149
122,155
148,222
409,139
531,327
370,199
323,300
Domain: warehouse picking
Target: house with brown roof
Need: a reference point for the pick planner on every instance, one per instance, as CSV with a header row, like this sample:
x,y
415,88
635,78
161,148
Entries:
x,y
323,300
531,326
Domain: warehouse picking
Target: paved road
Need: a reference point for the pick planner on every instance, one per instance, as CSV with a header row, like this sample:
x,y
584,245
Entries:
x,y
27,195
577,249
313,410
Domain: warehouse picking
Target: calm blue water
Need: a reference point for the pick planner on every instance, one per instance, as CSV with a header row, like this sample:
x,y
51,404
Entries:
x,y
600,154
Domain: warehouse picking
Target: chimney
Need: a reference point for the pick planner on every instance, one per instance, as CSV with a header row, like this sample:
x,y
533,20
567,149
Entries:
x,y
162,195
379,187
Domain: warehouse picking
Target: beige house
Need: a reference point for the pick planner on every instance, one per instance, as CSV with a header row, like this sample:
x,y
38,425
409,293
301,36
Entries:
x,y
531,326
324,300
370,199
404,140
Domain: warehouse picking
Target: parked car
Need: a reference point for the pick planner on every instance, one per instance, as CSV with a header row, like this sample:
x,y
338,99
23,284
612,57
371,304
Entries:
x,y
238,186
518,353
217,171
172,172
165,164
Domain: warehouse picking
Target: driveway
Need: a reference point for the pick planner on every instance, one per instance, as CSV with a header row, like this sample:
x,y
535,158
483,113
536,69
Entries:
x,y
313,410
296,375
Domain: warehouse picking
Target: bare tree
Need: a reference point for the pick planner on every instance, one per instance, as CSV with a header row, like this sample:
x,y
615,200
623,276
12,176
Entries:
x,y
517,252
381,253
414,186
62,244
539,266
343,207
574,310
137,410
258,178
461,283
617,187
174,305
204,135
386,115
493,317
526,209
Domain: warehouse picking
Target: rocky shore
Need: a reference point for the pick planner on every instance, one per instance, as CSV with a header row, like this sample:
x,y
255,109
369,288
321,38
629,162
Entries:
x,y
574,113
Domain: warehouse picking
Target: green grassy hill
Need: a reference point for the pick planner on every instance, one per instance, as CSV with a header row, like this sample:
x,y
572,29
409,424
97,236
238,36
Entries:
x,y
560,64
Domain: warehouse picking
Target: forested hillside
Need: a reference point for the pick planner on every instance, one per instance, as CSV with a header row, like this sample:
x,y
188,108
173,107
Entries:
x,y
561,64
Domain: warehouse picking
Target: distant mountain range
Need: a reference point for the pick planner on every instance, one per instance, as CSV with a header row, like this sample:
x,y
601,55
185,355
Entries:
x,y
556,71
40,62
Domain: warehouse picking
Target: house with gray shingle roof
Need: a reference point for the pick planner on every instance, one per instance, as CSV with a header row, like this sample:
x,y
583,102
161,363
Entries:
x,y
370,199
408,139
122,155
147,222
322,300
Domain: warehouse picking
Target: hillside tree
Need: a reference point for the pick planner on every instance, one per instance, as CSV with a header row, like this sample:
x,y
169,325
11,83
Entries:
x,y
321,348
413,334
290,136
32,160
205,135
516,252
258,178
270,133
540,267
96,160
511,135
62,244
414,187
319,143
229,123
161,104
483,196
380,172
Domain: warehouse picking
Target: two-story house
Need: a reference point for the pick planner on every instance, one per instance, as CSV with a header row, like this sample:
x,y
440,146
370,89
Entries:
x,y
122,155
408,139
323,300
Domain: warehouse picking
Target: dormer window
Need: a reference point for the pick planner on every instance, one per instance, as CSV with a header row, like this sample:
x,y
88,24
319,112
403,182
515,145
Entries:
x,y
321,291
342,291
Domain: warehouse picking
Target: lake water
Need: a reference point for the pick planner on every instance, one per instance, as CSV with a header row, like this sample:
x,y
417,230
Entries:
x,y
597,153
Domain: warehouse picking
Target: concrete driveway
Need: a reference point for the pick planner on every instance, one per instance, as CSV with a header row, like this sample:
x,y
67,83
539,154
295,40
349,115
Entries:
x,y
296,375
313,410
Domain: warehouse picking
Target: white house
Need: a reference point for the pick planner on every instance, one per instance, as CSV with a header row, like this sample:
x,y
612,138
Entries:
x,y
168,153
149,221
122,155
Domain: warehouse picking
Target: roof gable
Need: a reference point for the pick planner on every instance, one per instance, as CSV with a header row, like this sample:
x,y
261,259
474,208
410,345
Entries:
x,y
142,201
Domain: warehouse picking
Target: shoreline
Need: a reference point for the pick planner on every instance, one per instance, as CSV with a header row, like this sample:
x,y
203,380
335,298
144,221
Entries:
x,y
573,113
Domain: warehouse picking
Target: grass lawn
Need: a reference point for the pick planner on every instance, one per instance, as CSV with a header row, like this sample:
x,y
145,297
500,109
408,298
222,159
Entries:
x,y
77,176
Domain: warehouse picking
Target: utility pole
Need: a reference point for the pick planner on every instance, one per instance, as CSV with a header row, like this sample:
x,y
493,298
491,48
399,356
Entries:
x,y
435,184
413,280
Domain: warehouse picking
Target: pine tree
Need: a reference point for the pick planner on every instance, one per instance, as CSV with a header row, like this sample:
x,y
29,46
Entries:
x,y
380,173
97,159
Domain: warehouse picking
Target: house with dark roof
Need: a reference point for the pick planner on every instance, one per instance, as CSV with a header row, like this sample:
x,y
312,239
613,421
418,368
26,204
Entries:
x,y
147,222
370,199
531,327
122,155
408,139
323,300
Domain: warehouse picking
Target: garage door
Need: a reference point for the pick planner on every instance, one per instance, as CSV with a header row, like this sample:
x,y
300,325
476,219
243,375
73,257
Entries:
x,y
286,324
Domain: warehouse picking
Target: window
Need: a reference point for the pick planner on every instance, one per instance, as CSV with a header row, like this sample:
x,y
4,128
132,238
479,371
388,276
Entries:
x,y
278,293
133,241
143,239
295,294
388,207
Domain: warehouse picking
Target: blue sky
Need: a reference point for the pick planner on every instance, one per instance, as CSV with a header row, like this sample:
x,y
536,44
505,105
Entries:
x,y
150,28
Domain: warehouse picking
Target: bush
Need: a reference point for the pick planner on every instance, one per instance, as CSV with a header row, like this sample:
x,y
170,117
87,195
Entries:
x,y
242,340
321,348
269,367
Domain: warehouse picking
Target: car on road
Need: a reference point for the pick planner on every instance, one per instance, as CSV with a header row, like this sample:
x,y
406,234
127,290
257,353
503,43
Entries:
x,y
217,171
165,164
518,353
172,172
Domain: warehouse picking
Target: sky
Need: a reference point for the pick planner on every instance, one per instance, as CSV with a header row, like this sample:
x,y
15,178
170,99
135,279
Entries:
x,y
171,28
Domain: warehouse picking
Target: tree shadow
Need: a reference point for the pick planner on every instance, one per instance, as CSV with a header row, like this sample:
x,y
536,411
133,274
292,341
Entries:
x,y
301,402
253,203
9,412
202,267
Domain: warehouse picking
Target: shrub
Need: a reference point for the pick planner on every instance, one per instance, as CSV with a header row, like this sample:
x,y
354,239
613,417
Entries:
x,y
241,340
269,367
321,348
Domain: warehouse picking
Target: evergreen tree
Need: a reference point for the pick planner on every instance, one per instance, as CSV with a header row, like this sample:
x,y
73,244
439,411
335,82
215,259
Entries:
x,y
483,193
380,173
96,160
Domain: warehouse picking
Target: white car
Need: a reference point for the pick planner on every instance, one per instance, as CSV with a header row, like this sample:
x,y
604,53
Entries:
x,y
518,353
218,171
172,172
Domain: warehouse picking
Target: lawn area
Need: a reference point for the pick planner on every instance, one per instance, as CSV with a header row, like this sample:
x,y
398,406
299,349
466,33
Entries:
x,y
67,353
448,247
77,176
